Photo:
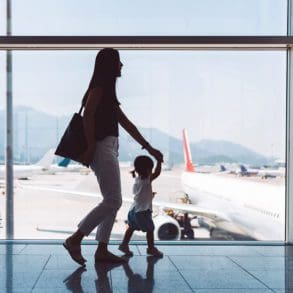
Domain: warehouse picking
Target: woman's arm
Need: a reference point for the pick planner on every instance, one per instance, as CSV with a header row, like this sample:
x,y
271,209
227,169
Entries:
x,y
133,131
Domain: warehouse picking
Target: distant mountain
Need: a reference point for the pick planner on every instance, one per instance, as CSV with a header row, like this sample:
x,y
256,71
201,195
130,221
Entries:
x,y
217,151
35,132
205,151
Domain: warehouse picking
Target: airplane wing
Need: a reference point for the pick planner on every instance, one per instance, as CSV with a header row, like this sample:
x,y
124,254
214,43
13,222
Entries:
x,y
192,209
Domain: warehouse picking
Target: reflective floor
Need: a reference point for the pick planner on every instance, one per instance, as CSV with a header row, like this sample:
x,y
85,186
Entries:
x,y
48,268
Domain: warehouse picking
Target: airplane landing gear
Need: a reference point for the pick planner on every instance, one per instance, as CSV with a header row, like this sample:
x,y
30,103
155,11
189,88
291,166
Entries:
x,y
186,228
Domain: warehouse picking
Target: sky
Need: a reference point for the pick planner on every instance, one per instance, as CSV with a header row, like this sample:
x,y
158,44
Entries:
x,y
225,95
152,17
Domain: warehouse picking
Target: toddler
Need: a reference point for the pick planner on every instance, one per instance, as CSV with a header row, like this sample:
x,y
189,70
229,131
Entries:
x,y
140,213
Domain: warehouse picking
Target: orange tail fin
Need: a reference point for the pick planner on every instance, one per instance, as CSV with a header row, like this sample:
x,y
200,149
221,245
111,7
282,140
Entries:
x,y
187,154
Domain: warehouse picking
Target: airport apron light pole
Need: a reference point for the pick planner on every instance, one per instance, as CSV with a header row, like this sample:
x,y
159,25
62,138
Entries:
x,y
9,133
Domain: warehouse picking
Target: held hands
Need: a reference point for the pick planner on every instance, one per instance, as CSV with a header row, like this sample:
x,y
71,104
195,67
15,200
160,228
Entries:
x,y
156,153
87,157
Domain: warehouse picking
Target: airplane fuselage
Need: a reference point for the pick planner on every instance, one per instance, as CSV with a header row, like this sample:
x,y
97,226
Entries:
x,y
258,208
22,171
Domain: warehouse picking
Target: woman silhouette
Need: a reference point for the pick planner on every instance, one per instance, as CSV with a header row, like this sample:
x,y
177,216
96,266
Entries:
x,y
102,114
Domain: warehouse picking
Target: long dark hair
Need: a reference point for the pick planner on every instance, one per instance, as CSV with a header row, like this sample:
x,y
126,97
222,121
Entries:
x,y
105,72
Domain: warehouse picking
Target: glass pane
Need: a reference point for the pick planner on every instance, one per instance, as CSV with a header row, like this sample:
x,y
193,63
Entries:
x,y
2,17
232,104
165,17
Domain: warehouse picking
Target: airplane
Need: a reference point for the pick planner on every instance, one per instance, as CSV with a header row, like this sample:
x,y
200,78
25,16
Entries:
x,y
250,210
272,173
246,172
263,173
25,171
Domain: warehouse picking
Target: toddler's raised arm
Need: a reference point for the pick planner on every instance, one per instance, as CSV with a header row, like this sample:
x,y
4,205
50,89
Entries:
x,y
157,171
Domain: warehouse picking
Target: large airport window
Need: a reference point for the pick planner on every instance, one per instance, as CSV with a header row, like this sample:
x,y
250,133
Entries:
x,y
229,107
142,18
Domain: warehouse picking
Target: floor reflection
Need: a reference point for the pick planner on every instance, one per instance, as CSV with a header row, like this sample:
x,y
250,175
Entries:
x,y
136,282
73,281
47,268
102,283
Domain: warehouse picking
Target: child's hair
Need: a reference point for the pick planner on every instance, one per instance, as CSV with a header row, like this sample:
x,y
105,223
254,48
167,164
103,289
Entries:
x,y
141,165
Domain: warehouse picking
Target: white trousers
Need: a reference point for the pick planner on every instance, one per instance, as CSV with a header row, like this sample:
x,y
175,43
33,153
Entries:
x,y
106,167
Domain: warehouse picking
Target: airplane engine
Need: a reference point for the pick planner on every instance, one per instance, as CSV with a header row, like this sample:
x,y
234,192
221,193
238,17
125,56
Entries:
x,y
166,228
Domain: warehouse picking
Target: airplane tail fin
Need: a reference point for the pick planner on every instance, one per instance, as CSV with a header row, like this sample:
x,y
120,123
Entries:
x,y
64,163
243,168
187,154
47,159
223,168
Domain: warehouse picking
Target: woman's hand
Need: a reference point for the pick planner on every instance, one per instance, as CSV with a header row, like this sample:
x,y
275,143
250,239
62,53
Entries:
x,y
156,153
87,157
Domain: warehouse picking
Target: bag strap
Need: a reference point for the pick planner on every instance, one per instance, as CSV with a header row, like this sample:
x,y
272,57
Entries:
x,y
80,110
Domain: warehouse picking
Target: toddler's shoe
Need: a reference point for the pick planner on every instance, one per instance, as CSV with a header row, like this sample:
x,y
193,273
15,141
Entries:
x,y
125,249
155,252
